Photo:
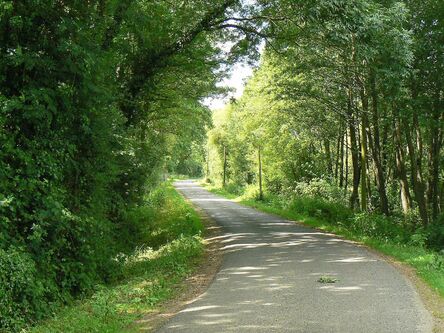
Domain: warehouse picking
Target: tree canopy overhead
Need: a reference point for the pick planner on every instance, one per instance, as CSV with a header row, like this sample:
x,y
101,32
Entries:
x,y
348,93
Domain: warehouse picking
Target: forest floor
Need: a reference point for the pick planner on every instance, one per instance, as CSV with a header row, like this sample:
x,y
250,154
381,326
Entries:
x,y
278,276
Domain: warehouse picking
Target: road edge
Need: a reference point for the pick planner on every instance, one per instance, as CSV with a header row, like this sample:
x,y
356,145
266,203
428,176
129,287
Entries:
x,y
197,283
431,301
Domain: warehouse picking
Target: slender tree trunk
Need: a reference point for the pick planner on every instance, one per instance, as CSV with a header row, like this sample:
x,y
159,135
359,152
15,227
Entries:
x,y
418,183
337,157
384,150
328,157
441,196
434,155
369,182
354,133
341,158
364,125
380,178
406,200
261,194
433,177
354,153
225,167
346,161
375,148
208,164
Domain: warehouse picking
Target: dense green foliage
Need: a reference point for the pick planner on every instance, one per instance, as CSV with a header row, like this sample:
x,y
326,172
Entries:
x,y
98,100
346,106
149,275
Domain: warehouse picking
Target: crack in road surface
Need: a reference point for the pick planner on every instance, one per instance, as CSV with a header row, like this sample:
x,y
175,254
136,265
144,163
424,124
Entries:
x,y
268,281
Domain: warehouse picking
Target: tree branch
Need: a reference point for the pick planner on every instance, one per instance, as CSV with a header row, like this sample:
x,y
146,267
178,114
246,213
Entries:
x,y
149,64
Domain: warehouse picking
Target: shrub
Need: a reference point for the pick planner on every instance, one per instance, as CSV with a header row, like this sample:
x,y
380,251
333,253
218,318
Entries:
x,y
274,184
418,238
251,192
172,256
169,217
320,189
21,292
435,235
158,197
135,227
375,225
234,188
328,211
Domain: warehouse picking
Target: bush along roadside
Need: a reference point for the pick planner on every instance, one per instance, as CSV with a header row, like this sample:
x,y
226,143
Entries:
x,y
171,249
393,236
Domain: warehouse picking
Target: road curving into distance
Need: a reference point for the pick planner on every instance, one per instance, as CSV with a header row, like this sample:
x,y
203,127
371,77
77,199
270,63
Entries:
x,y
269,280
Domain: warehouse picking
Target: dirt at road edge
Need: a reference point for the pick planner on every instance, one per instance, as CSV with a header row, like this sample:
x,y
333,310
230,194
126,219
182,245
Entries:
x,y
195,285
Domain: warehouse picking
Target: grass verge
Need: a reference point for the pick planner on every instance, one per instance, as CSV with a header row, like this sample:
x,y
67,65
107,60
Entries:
x,y
149,276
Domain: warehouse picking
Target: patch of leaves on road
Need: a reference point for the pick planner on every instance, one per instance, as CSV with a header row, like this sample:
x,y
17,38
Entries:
x,y
327,279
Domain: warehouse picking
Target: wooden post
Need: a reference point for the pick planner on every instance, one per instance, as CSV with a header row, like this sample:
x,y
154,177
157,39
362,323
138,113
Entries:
x,y
208,165
261,194
225,166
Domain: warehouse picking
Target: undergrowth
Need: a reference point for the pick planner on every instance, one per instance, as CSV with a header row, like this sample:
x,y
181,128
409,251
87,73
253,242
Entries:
x,y
172,247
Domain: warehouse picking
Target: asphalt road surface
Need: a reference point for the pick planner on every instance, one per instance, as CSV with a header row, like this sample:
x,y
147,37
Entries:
x,y
268,281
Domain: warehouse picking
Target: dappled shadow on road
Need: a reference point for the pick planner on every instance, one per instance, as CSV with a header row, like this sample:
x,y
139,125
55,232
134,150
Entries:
x,y
270,280
281,274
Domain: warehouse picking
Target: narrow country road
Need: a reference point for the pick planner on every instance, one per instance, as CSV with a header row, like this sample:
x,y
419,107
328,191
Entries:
x,y
268,281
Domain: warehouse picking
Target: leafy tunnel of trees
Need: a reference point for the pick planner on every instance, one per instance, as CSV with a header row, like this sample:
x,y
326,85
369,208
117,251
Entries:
x,y
100,98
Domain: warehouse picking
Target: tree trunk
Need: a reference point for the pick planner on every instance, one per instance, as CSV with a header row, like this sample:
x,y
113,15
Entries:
x,y
341,158
434,155
261,194
375,148
346,162
225,167
364,125
406,200
441,196
354,153
208,164
418,184
328,157
337,157
433,181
